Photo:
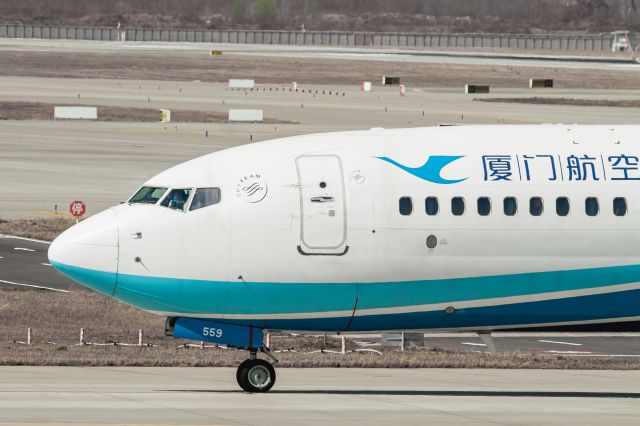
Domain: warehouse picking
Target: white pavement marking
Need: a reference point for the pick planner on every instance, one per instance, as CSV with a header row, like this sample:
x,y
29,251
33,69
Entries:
x,y
33,286
473,344
23,249
560,343
567,352
608,355
45,264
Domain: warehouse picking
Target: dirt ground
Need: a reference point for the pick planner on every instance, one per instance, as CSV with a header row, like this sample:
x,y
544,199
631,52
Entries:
x,y
187,66
42,111
56,319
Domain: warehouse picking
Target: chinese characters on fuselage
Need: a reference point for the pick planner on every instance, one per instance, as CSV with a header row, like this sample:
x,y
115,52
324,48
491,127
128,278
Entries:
x,y
563,168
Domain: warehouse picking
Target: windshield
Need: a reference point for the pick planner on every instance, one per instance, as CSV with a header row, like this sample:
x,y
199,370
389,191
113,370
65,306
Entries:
x,y
148,195
205,197
176,199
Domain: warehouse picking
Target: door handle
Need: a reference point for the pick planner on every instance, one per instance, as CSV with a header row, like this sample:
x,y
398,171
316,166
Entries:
x,y
322,199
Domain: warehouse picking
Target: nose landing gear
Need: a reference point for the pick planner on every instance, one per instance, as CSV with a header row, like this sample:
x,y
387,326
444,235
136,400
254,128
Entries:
x,y
257,375
253,375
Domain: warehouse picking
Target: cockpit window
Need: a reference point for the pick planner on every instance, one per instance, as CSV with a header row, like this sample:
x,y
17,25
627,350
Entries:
x,y
148,195
205,197
177,199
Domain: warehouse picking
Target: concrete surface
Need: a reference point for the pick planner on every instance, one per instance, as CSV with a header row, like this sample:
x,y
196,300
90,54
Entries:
x,y
55,162
198,396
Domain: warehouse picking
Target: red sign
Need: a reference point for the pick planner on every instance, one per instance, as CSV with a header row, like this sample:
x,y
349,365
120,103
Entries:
x,y
77,208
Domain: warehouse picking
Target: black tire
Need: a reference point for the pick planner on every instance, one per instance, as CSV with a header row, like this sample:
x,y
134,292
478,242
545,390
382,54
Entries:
x,y
256,376
242,367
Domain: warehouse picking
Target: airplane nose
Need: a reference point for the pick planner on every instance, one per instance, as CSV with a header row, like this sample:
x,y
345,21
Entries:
x,y
88,252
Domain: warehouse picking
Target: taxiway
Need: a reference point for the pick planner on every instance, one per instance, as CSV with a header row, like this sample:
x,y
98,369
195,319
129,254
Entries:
x,y
198,396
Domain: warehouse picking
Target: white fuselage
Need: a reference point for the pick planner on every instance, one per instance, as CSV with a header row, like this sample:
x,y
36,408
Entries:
x,y
331,232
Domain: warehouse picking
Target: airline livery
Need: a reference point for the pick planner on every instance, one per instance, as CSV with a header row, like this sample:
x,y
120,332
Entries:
x,y
446,228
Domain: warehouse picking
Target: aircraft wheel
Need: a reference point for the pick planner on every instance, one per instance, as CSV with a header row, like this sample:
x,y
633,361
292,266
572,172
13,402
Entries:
x,y
256,375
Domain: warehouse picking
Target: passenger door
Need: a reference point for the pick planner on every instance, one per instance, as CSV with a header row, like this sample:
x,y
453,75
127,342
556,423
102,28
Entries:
x,y
323,218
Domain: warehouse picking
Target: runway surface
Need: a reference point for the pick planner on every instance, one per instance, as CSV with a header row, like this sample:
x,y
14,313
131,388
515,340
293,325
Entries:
x,y
591,60
24,265
198,396
55,162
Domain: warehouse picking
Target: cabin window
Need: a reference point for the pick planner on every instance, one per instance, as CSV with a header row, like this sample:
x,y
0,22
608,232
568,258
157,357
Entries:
x,y
484,206
620,206
431,206
591,206
536,206
176,199
457,206
510,206
148,195
562,206
406,206
205,197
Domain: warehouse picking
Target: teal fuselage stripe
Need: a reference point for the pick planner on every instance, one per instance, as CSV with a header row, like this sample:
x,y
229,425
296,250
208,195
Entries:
x,y
248,298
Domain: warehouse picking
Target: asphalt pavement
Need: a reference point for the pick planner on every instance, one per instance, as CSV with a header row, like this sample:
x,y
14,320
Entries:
x,y
24,265
610,345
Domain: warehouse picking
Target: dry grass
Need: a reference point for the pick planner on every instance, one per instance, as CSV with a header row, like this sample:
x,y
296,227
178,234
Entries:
x,y
625,103
39,229
42,111
133,356
57,318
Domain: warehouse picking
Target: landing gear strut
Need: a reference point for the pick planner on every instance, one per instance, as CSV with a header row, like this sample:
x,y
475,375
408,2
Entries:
x,y
257,375
253,375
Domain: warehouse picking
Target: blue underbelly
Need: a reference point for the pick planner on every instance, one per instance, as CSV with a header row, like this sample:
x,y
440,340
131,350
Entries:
x,y
584,295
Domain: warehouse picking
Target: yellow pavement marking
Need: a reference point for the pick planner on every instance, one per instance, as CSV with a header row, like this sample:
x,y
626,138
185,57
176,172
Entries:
x,y
52,213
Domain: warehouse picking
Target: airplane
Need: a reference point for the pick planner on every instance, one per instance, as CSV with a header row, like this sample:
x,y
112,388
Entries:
x,y
476,228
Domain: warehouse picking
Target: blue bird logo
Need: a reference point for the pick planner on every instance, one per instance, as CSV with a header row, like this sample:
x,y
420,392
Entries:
x,y
431,169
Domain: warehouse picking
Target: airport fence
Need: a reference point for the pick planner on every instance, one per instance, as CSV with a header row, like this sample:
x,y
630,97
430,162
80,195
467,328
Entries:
x,y
552,42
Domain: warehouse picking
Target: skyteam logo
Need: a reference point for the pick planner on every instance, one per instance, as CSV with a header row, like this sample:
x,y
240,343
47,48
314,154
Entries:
x,y
431,170
252,188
